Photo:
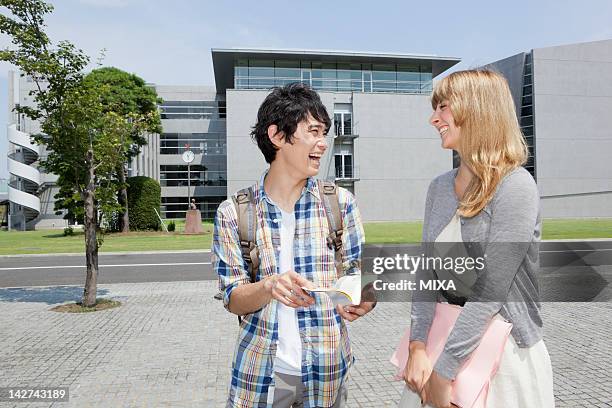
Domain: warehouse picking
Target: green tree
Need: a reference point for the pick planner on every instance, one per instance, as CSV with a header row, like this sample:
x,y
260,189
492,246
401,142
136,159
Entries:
x,y
127,94
85,140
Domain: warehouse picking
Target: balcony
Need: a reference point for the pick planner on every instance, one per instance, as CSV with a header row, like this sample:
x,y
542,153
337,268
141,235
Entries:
x,y
346,174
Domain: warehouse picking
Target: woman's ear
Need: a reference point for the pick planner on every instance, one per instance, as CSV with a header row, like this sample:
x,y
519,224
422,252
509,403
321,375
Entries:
x,y
276,137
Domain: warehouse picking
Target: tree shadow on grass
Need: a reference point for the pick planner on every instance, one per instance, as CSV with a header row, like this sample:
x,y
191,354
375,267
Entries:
x,y
61,235
49,295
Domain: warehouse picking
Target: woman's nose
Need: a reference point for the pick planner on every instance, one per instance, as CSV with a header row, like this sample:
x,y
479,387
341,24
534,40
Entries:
x,y
434,119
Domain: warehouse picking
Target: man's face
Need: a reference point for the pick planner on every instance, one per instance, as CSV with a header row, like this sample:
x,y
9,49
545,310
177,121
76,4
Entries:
x,y
302,159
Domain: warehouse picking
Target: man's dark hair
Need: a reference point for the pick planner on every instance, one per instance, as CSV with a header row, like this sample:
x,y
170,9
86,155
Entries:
x,y
285,107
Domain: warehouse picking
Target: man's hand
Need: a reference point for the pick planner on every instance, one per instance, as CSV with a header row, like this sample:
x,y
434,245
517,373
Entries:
x,y
352,313
287,289
437,391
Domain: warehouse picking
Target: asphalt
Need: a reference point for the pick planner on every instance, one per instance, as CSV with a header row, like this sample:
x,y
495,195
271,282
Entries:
x,y
583,268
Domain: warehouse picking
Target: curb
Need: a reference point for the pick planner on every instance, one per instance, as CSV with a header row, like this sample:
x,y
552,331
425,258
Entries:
x,y
187,251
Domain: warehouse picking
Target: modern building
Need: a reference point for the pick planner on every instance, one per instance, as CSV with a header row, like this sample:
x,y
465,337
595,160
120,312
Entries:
x,y
563,96
380,145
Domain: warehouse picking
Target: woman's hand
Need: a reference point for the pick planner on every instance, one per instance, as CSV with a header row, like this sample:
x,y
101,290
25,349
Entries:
x,y
352,313
418,369
437,392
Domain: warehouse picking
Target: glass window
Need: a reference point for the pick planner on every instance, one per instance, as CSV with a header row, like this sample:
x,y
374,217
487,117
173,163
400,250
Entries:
x,y
343,166
348,166
527,100
408,78
527,110
261,69
367,81
287,70
347,124
343,124
338,165
383,78
344,80
527,121
241,71
306,77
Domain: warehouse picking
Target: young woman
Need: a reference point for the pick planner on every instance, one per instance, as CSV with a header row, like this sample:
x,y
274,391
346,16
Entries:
x,y
490,200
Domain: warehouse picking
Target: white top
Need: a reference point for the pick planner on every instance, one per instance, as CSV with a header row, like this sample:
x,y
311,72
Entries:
x,y
289,351
452,231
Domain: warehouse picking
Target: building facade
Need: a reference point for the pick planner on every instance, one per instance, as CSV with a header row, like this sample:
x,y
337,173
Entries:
x,y
563,96
380,146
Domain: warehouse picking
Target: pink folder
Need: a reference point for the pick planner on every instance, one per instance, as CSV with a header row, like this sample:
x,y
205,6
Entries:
x,y
471,385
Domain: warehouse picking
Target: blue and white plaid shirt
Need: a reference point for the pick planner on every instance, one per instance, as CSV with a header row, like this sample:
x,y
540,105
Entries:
x,y
326,352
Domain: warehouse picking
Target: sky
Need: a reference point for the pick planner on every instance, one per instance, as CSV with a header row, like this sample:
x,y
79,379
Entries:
x,y
169,42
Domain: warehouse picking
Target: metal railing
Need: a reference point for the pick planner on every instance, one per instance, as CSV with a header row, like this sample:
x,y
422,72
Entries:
x,y
339,85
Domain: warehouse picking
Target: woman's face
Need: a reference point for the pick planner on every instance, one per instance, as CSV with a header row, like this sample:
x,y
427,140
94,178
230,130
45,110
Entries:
x,y
442,120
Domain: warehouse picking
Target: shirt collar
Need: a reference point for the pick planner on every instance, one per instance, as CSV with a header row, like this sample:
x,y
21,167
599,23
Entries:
x,y
311,187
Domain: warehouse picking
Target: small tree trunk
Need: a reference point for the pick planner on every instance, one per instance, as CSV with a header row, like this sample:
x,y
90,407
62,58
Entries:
x,y
91,244
124,217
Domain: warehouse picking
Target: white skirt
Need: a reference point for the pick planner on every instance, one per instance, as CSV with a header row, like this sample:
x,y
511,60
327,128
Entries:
x,y
523,380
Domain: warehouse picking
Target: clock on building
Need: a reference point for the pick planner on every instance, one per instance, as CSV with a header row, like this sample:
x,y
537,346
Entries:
x,y
188,156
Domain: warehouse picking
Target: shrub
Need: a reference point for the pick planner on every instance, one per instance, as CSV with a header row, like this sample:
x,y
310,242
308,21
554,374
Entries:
x,y
144,197
171,226
68,231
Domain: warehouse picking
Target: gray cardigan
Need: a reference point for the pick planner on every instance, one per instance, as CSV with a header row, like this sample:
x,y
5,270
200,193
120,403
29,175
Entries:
x,y
509,230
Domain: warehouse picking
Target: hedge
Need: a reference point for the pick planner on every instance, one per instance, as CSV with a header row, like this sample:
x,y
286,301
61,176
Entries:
x,y
144,197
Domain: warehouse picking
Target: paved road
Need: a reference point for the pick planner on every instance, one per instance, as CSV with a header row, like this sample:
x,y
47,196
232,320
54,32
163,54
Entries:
x,y
579,268
124,268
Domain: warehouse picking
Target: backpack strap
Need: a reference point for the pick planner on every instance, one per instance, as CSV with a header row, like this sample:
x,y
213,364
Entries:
x,y
329,194
247,229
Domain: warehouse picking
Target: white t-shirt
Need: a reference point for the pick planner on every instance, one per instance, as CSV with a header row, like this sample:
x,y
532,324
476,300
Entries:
x,y
289,351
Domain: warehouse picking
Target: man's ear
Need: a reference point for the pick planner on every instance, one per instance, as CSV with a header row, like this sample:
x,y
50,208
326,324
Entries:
x,y
276,137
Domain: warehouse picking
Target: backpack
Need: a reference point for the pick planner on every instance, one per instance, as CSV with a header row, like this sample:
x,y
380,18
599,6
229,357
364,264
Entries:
x,y
247,227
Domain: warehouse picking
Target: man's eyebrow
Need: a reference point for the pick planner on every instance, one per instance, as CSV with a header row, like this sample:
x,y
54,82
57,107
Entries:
x,y
310,127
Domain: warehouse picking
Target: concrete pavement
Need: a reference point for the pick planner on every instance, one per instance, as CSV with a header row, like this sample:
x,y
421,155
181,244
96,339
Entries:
x,y
170,345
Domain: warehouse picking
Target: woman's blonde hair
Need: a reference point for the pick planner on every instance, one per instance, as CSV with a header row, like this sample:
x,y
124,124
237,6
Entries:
x,y
491,142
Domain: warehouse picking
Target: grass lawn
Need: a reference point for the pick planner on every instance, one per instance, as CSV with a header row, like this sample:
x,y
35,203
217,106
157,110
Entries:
x,y
53,241
410,232
578,229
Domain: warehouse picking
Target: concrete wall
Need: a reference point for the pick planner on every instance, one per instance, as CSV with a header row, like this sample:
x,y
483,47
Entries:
x,y
573,100
396,154
512,69
245,163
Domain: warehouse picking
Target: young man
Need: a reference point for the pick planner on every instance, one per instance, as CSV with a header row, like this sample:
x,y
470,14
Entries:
x,y
293,347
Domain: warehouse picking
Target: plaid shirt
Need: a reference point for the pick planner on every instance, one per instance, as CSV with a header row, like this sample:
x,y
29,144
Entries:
x,y
326,352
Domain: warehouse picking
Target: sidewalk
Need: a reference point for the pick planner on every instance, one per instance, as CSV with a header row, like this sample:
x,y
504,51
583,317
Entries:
x,y
170,345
